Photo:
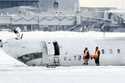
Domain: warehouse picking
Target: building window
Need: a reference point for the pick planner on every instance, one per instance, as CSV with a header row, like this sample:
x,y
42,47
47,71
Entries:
x,y
110,15
56,5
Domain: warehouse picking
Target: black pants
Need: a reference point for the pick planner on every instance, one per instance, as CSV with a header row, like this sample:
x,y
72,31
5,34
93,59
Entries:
x,y
97,62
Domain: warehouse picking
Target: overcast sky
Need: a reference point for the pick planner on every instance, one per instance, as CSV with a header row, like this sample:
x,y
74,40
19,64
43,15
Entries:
x,y
102,3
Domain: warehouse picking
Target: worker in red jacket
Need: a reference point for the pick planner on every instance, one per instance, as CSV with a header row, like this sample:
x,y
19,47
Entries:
x,y
86,56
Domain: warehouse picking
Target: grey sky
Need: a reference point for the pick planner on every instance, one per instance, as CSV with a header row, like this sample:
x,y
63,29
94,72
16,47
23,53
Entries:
x,y
102,3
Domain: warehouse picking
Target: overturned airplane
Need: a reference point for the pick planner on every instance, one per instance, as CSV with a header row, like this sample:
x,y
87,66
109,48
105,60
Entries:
x,y
64,48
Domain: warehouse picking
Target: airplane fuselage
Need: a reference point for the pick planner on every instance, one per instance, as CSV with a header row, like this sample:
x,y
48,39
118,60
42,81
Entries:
x,y
66,48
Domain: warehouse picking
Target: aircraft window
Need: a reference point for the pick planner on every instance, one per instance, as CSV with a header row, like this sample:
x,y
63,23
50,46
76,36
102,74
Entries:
x,y
69,59
74,57
65,58
103,51
118,51
79,58
110,15
111,51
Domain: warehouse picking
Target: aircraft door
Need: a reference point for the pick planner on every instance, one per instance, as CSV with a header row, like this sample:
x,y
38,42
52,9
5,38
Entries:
x,y
56,53
56,48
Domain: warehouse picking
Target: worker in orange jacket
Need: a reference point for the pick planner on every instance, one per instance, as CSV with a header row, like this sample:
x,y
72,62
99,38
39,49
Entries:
x,y
96,56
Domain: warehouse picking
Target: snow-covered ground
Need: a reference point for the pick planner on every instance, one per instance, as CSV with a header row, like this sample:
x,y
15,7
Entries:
x,y
78,74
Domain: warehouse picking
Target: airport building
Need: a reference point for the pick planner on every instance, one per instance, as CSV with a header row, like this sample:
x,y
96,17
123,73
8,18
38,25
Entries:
x,y
52,15
13,3
39,14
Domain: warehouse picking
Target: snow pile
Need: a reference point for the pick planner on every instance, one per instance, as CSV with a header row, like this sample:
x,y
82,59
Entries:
x,y
6,60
